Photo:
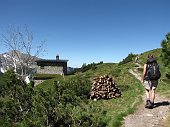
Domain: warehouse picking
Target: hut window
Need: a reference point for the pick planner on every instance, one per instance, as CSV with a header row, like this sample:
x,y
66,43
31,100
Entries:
x,y
41,67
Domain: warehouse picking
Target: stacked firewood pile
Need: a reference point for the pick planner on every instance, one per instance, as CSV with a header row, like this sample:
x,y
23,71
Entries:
x,y
103,87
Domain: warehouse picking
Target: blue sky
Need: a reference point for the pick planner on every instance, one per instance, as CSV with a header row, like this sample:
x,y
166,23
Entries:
x,y
86,31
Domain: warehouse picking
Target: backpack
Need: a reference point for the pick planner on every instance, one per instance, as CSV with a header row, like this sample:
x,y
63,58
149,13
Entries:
x,y
153,72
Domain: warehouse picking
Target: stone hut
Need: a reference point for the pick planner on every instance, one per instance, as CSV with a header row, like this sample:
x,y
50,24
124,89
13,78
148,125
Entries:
x,y
52,66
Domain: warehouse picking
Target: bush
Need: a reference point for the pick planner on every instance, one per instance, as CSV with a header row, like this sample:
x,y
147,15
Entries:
x,y
15,99
66,105
79,86
45,76
128,59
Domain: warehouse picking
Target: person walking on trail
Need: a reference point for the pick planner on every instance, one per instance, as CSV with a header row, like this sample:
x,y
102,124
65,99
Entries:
x,y
136,59
151,74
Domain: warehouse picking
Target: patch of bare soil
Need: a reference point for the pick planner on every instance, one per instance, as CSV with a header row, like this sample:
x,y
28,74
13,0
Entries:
x,y
148,117
38,82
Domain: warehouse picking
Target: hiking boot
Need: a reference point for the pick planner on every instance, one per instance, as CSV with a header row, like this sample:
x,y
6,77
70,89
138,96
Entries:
x,y
148,104
152,105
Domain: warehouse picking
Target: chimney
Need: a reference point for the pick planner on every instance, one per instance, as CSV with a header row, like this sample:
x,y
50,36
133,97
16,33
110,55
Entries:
x,y
57,57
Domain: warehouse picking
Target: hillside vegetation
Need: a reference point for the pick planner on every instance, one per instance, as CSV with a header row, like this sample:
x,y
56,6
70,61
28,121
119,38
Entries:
x,y
129,86
113,109
64,101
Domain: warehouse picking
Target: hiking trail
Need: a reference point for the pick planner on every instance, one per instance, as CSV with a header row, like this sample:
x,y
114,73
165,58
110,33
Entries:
x,y
143,117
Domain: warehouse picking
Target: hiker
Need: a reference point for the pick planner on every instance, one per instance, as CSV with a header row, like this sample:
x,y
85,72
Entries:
x,y
151,74
136,59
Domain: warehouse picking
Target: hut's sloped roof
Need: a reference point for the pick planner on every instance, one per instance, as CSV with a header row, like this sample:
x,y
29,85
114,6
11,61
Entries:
x,y
50,62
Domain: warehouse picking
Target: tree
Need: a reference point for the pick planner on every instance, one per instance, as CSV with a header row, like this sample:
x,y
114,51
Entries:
x,y
19,44
166,50
166,53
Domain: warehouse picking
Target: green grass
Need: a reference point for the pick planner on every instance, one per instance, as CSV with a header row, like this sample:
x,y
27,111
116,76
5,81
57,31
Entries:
x,y
164,87
116,108
155,52
45,76
130,87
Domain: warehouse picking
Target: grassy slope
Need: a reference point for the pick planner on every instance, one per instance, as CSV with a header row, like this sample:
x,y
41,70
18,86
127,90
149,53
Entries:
x,y
130,87
116,108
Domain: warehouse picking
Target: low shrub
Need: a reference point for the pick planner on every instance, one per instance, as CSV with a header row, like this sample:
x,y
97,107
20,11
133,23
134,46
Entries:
x,y
45,76
128,59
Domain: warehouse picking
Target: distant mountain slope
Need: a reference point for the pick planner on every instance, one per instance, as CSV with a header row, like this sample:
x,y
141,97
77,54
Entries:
x,y
11,60
6,61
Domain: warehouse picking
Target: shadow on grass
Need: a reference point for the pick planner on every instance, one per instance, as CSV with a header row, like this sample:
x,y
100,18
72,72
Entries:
x,y
123,87
163,103
167,81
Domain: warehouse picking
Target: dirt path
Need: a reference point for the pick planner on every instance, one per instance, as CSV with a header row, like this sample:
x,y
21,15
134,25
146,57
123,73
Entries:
x,y
148,117
38,82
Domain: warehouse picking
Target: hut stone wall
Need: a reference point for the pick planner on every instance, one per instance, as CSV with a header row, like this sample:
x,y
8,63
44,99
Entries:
x,y
50,70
